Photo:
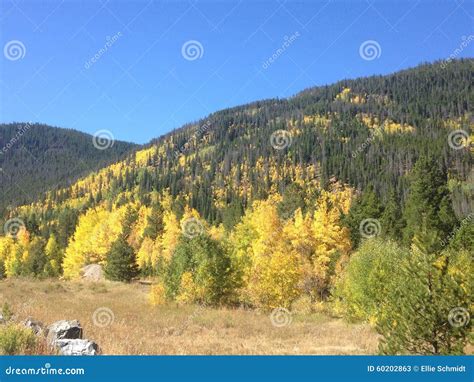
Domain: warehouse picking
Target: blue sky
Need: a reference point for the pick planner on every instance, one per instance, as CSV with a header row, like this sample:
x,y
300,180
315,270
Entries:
x,y
146,83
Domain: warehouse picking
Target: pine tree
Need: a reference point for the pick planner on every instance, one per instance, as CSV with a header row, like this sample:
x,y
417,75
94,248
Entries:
x,y
417,313
154,225
367,206
121,263
392,219
429,199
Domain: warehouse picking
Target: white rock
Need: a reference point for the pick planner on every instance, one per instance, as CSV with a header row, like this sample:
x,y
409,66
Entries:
x,y
63,329
76,347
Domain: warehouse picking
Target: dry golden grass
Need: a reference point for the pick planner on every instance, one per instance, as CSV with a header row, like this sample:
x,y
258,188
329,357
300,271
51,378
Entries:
x,y
139,328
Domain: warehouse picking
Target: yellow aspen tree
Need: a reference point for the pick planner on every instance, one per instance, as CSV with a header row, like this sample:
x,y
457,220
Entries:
x,y
331,240
144,254
274,270
171,233
96,230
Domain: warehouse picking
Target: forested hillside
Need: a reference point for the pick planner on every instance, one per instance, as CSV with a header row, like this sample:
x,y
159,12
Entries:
x,y
35,158
358,194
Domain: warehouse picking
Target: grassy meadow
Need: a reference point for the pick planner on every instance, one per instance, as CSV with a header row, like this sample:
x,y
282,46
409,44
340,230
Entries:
x,y
125,322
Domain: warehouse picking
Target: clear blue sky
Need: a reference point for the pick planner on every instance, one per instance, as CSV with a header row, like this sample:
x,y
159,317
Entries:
x,y
142,86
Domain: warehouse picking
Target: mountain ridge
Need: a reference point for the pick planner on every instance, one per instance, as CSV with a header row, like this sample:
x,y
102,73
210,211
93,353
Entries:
x,y
329,118
35,158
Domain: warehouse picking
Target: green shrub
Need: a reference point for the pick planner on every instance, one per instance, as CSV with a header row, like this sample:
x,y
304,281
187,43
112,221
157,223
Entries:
x,y
429,313
7,312
16,339
210,266
371,274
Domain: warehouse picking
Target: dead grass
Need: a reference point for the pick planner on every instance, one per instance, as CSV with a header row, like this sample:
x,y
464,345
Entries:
x,y
138,328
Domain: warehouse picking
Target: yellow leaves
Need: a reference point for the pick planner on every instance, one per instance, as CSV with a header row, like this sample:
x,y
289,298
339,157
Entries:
x,y
96,230
189,292
139,227
388,126
318,120
274,280
266,222
344,95
271,269
142,156
331,239
157,294
144,254
391,127
171,233
300,235
217,233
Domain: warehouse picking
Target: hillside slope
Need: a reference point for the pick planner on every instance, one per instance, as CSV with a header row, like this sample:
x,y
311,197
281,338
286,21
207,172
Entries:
x,y
35,158
367,133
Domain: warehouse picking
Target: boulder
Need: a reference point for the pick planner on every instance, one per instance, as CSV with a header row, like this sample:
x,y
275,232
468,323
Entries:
x,y
76,347
64,329
36,326
93,272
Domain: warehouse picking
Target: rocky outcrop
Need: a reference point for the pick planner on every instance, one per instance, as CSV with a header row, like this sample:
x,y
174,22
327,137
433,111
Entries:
x,y
66,338
76,347
64,330
92,272
36,326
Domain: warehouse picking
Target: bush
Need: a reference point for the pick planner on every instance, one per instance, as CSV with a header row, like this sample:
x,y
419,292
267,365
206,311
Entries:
x,y
16,339
157,294
205,263
418,300
429,312
371,274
